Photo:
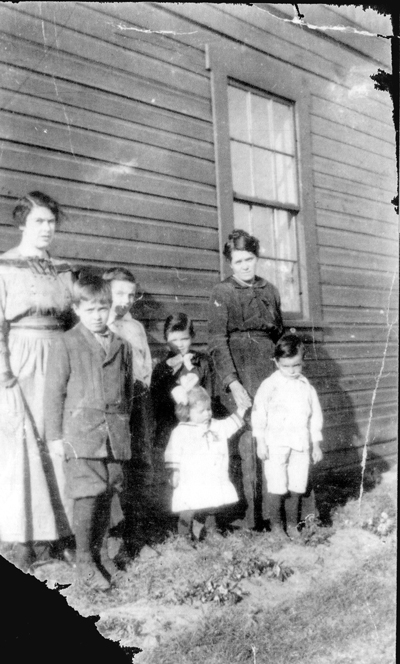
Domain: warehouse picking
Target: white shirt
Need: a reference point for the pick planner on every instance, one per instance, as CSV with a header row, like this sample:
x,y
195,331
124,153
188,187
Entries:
x,y
287,412
134,333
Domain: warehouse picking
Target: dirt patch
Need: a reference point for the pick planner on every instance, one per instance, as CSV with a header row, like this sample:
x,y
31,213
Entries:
x,y
171,590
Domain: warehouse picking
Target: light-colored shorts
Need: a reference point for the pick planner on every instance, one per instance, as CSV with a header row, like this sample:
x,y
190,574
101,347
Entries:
x,y
286,470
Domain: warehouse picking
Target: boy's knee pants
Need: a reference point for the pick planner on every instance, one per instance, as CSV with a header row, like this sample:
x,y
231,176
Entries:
x,y
92,477
287,470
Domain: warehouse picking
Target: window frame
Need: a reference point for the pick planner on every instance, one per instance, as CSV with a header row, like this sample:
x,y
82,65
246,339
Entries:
x,y
239,64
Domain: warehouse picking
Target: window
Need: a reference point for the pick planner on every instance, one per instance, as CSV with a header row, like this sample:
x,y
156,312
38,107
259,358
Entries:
x,y
265,189
264,184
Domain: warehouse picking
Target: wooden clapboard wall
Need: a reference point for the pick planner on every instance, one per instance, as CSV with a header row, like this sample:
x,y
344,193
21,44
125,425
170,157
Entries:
x,y
119,130
107,107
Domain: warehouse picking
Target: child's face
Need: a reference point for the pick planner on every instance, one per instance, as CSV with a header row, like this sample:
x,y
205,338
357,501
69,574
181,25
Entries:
x,y
291,367
179,341
93,314
123,296
200,412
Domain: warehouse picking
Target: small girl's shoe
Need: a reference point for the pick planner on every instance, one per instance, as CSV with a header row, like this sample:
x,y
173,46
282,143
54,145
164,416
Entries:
x,y
214,536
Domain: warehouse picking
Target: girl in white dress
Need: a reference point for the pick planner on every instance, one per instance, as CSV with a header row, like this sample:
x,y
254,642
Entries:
x,y
197,454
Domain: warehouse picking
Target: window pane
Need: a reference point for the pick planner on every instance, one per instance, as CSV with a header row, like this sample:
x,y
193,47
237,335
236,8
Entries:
x,y
264,169
283,128
241,168
267,270
285,235
262,225
263,173
288,285
286,179
238,119
241,217
261,121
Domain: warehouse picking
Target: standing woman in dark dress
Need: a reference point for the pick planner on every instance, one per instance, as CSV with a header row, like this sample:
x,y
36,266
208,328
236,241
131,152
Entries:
x,y
245,322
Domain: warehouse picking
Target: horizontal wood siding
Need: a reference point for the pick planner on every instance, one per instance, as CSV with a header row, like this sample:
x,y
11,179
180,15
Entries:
x,y
107,107
119,130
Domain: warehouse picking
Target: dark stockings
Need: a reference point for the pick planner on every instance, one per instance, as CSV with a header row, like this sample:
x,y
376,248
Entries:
x,y
91,523
275,510
292,507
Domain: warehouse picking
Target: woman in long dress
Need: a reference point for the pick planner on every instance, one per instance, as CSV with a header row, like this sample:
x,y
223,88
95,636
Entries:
x,y
35,299
245,322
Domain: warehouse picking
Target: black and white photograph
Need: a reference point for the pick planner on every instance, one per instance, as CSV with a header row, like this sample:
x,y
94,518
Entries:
x,y
199,313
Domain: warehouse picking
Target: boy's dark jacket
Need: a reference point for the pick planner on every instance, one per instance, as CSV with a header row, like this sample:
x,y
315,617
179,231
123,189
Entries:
x,y
88,395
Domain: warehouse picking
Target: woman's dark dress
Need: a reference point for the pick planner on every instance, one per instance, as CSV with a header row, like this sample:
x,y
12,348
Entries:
x,y
245,322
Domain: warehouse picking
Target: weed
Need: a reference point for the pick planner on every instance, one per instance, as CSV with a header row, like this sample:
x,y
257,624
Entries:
x,y
313,533
222,587
376,511
381,526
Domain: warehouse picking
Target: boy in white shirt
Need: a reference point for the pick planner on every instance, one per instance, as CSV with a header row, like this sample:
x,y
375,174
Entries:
x,y
287,424
139,470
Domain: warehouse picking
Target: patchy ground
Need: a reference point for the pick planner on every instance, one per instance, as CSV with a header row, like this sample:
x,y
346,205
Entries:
x,y
245,598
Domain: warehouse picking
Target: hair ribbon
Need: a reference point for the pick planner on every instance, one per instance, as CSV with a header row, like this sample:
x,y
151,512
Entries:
x,y
180,392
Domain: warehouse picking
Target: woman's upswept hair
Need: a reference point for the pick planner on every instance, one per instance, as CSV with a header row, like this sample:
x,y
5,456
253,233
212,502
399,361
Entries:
x,y
36,199
178,323
240,240
288,346
91,287
195,395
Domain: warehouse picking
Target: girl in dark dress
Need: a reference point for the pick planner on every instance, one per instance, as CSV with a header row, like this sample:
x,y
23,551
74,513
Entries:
x,y
245,322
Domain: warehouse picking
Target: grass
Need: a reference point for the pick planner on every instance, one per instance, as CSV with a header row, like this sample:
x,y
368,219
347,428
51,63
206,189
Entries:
x,y
176,573
338,608
377,506
315,627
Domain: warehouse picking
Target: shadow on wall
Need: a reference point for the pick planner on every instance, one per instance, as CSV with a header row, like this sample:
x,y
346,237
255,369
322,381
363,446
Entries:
x,y
338,477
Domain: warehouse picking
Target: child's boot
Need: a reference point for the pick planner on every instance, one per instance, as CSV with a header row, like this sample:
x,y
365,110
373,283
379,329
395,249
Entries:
x,y
198,530
101,528
106,562
84,518
185,523
293,515
211,528
89,573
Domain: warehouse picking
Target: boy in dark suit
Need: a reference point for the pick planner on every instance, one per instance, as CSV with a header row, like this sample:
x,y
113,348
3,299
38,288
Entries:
x,y
88,400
